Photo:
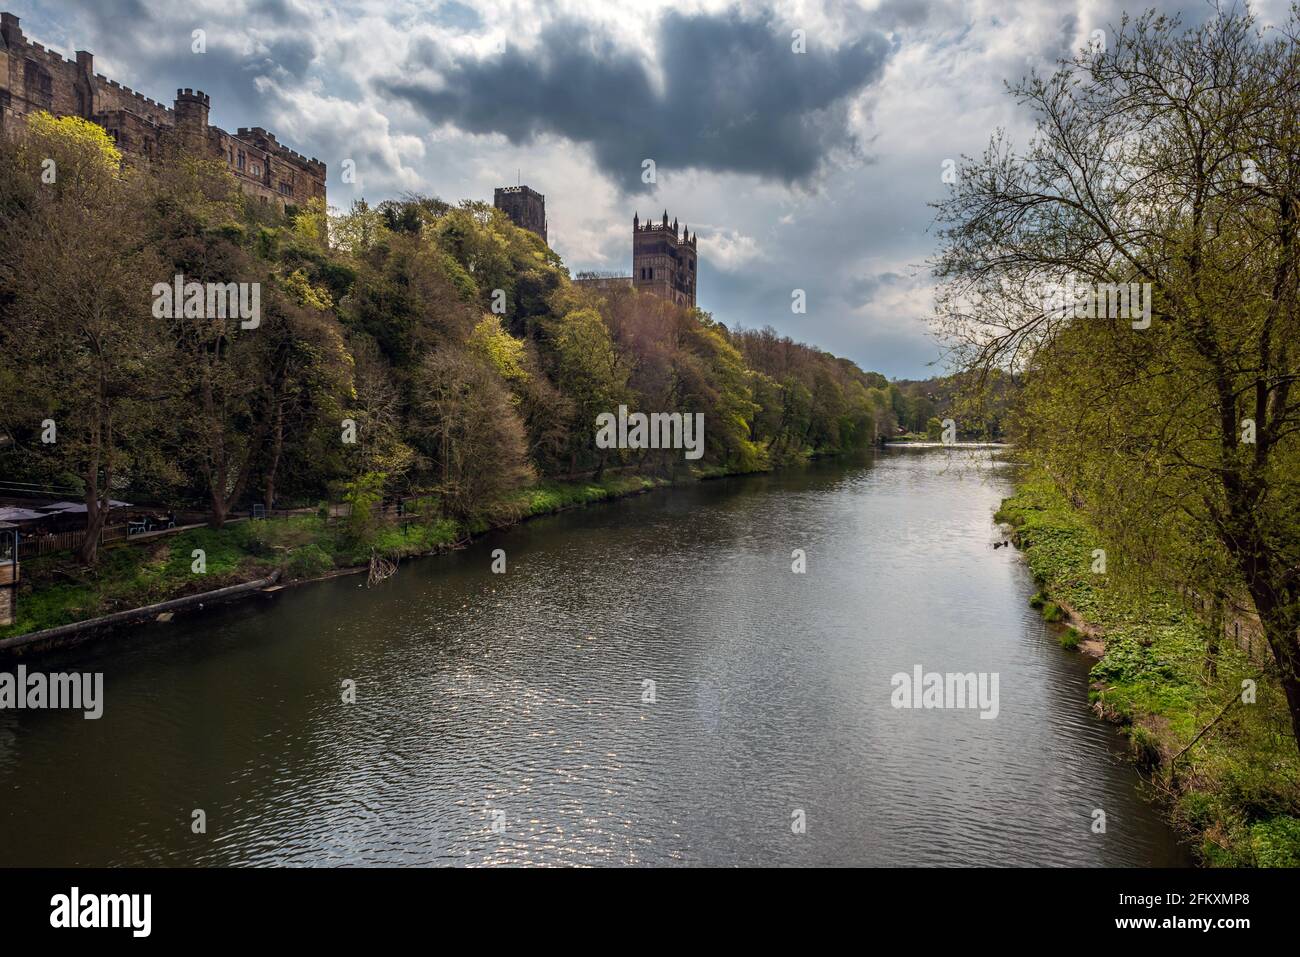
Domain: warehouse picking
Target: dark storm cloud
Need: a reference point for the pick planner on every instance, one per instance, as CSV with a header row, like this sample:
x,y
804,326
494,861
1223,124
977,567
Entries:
x,y
735,98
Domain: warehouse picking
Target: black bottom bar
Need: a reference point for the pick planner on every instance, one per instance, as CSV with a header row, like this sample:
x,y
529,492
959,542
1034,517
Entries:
x,y
370,905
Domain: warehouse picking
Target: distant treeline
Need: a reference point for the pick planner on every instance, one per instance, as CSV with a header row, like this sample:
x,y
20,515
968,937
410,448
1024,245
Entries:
x,y
416,347
980,407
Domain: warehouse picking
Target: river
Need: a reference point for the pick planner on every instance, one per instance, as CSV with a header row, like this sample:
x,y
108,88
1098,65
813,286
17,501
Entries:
x,y
507,718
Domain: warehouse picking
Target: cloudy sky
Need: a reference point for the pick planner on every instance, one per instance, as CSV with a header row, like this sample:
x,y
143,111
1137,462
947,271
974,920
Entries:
x,y
804,170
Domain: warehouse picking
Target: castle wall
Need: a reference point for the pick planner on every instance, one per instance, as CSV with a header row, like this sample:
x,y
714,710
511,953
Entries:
x,y
33,78
268,170
133,133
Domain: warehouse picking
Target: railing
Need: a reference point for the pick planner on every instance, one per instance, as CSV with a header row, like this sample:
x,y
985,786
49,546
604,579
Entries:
x,y
35,545
31,547
31,490
411,507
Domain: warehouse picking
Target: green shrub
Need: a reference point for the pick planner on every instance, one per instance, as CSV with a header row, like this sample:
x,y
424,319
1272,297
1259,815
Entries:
x,y
363,496
1236,788
1146,747
309,561
1276,842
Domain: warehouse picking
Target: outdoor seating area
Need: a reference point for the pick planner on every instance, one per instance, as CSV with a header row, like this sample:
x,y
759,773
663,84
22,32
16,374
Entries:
x,y
150,522
43,527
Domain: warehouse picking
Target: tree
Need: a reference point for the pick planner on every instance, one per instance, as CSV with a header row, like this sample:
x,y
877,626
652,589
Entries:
x,y
225,366
588,371
75,267
1168,159
469,428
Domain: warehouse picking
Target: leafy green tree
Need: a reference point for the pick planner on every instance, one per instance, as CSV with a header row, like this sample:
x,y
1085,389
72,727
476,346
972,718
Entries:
x,y
1167,160
588,371
75,278
469,428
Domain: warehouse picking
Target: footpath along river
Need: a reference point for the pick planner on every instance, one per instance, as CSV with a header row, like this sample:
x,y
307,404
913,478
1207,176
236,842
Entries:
x,y
502,719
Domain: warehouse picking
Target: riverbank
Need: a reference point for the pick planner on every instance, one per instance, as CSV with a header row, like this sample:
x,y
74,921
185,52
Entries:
x,y
1235,789
56,590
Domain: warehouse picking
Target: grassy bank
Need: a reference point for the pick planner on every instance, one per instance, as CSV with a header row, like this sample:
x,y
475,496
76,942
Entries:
x,y
57,590
1236,791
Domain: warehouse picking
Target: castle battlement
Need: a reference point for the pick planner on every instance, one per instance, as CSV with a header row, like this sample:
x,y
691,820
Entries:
x,y
34,78
526,207
664,259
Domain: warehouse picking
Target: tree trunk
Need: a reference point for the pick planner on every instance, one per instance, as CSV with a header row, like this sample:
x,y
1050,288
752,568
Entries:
x,y
218,511
1279,626
88,552
277,447
96,504
1216,633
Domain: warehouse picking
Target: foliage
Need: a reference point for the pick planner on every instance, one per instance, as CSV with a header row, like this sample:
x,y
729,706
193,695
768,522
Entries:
x,y
1165,164
1238,788
363,496
434,344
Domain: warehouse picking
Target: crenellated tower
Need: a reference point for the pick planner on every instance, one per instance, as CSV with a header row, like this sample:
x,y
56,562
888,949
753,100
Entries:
x,y
525,207
191,109
664,259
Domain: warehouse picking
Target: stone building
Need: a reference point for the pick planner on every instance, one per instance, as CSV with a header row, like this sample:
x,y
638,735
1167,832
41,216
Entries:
x,y
33,78
525,207
664,260
664,263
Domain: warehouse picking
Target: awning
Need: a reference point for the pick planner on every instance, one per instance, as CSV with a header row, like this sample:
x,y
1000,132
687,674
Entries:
x,y
78,508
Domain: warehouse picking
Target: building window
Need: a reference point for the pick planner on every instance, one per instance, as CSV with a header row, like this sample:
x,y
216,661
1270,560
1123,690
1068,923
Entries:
x,y
240,164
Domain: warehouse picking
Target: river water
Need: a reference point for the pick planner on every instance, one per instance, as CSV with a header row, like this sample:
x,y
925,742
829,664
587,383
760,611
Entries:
x,y
506,718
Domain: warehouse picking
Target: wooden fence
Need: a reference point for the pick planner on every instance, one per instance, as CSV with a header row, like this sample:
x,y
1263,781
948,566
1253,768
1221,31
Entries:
x,y
35,545
31,547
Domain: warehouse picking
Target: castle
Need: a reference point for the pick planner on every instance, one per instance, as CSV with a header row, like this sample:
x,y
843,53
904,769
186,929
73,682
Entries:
x,y
525,207
663,260
33,78
663,263
663,255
